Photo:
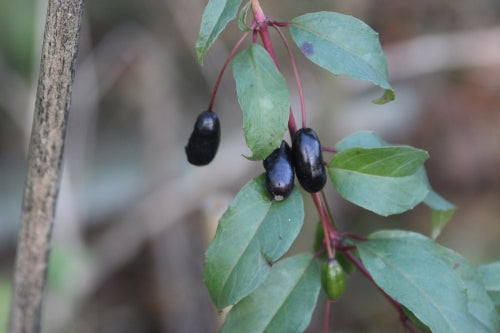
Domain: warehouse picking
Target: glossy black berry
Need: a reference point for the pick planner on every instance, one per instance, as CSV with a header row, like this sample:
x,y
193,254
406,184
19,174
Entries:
x,y
308,160
204,140
279,172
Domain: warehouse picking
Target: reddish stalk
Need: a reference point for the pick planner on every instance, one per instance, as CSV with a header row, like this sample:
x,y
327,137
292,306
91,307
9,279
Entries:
x,y
353,236
279,24
296,73
330,233
327,316
219,78
329,149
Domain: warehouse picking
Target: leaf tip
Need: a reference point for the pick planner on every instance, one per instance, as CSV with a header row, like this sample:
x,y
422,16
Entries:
x,y
200,54
387,97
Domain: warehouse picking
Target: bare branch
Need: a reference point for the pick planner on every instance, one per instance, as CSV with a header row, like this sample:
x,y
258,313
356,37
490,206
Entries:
x,y
57,67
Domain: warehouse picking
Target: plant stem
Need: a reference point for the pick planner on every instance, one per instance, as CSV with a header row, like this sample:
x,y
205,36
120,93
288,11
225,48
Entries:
x,y
45,156
328,149
219,78
296,74
327,316
330,233
258,14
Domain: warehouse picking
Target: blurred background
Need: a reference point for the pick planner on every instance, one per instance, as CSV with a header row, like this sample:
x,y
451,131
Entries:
x,y
134,217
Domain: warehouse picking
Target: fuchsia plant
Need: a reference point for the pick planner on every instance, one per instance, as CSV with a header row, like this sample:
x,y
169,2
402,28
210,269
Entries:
x,y
431,287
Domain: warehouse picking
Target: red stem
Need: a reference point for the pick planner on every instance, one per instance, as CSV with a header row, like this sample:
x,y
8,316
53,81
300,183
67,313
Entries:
x,y
327,316
296,73
353,236
330,233
279,24
328,149
219,78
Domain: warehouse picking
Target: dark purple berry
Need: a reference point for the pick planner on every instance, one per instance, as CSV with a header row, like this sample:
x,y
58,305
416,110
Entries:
x,y
279,172
204,140
308,160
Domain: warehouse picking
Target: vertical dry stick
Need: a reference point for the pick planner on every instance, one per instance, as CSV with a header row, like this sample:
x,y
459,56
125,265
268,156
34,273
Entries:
x,y
57,68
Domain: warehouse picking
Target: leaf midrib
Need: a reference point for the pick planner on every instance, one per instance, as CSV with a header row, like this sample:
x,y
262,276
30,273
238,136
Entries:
x,y
230,272
296,282
381,160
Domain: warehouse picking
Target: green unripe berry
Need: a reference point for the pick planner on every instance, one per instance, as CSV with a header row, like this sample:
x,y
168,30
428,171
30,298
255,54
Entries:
x,y
333,279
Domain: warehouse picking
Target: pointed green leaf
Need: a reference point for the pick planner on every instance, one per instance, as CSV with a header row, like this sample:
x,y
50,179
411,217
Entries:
x,y
217,14
343,45
442,210
252,234
264,100
490,274
242,17
387,97
382,180
283,303
435,283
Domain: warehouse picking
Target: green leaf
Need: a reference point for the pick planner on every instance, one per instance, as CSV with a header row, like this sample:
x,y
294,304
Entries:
x,y
479,302
382,180
490,274
384,161
217,14
242,18
434,283
252,234
264,100
343,45
283,303
442,210
387,97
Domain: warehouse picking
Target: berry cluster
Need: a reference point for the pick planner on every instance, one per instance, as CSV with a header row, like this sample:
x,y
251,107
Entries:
x,y
305,157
